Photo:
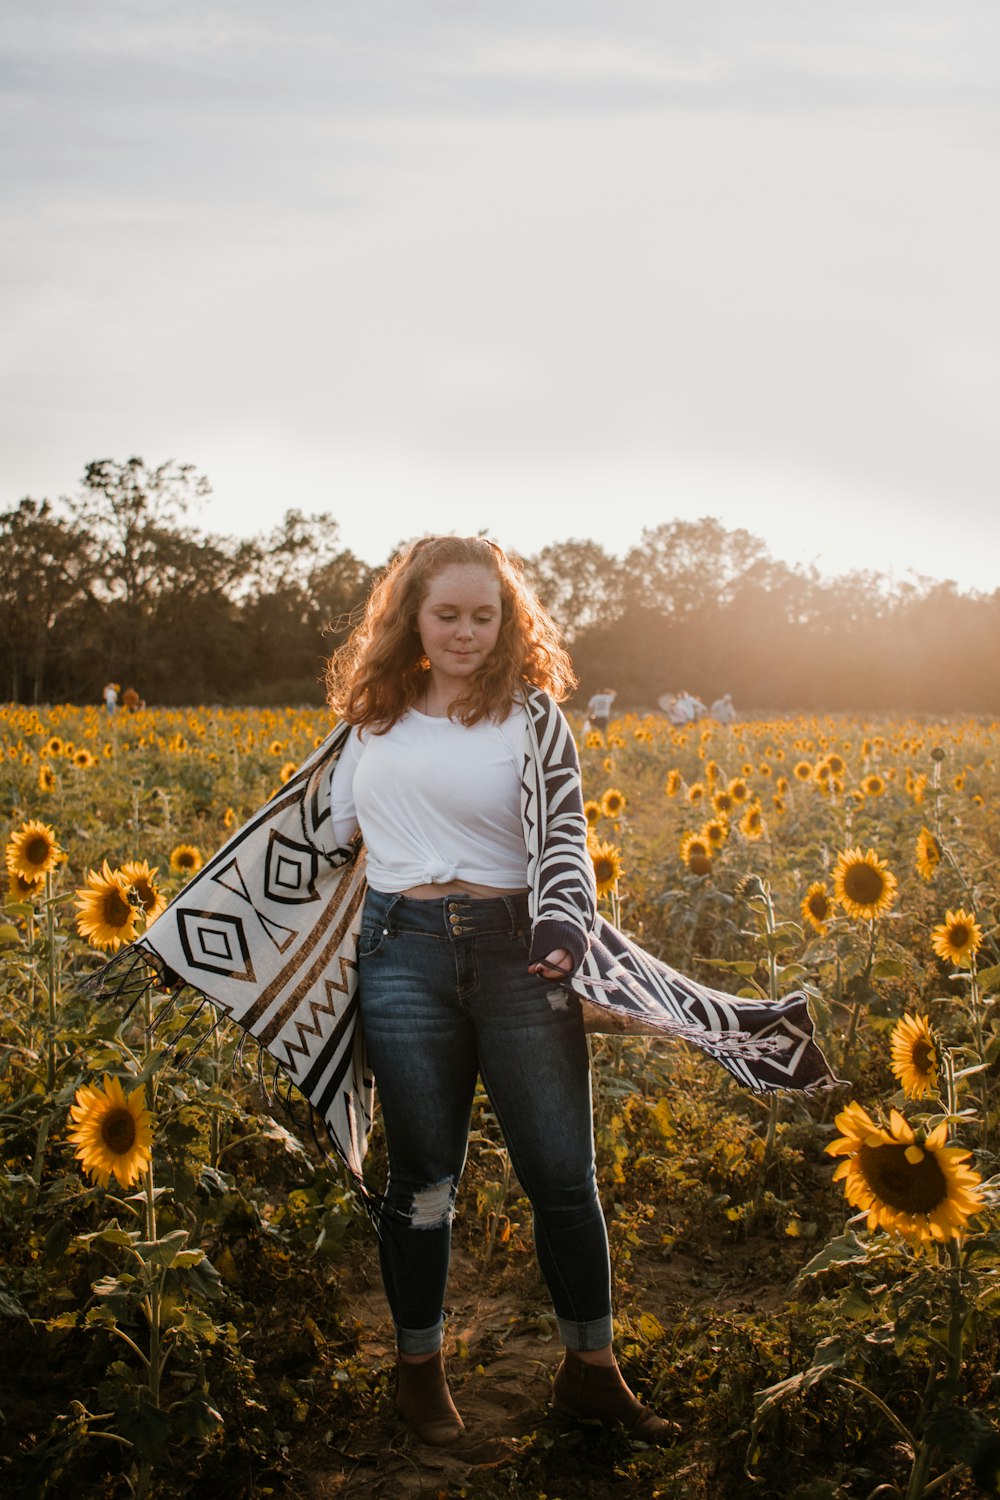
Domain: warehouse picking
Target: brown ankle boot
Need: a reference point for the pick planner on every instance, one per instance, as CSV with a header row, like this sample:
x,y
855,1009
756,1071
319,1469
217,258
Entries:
x,y
424,1401
597,1393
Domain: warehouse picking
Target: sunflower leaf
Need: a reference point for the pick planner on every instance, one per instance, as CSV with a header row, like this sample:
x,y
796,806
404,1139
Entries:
x,y
845,1250
743,966
989,979
164,1251
888,968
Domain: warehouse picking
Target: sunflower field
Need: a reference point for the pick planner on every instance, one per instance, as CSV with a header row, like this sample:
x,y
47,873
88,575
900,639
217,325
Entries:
x,y
806,1286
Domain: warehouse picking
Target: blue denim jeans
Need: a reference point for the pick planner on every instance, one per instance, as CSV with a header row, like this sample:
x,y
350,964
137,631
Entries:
x,y
446,995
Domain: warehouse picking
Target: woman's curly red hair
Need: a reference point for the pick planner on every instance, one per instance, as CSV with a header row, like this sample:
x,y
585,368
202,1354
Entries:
x,y
378,672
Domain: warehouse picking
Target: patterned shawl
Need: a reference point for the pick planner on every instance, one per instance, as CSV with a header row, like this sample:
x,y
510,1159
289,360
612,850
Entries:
x,y
267,933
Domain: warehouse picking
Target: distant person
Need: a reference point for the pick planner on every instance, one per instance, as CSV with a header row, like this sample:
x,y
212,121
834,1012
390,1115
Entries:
x,y
131,700
111,697
722,709
599,709
682,710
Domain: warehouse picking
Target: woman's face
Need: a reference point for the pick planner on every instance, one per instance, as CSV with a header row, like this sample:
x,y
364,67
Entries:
x,y
459,621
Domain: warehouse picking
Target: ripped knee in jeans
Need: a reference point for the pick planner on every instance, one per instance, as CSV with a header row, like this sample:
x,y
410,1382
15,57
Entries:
x,y
433,1207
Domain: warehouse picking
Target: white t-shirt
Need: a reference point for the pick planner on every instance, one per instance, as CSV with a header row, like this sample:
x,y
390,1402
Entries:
x,y
435,801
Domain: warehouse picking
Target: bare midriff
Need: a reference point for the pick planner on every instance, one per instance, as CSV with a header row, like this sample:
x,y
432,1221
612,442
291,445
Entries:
x,y
458,888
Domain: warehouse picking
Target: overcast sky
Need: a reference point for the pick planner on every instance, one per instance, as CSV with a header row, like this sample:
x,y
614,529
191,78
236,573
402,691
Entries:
x,y
546,267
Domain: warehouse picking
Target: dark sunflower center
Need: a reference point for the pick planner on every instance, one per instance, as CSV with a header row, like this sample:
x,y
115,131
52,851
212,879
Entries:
x,y
915,1188
116,910
864,884
604,870
37,850
118,1130
700,863
924,1057
145,892
185,861
819,906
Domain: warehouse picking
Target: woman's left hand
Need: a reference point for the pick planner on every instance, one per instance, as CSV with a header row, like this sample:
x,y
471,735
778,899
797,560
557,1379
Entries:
x,y
555,965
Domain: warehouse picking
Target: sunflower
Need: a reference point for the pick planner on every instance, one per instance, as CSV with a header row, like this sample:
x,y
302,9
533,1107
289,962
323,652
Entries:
x,y
957,939
863,884
873,786
915,1056
46,778
112,1132
696,852
83,760
593,739
53,747
696,792
751,825
928,854
803,771
613,803
592,812
105,915
229,818
673,784
607,864
33,851
816,906
723,804
185,859
141,879
836,763
715,832
276,747
738,789
19,889
917,1187
287,771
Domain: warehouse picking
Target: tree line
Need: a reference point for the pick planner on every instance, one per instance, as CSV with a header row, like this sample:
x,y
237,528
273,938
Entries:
x,y
117,584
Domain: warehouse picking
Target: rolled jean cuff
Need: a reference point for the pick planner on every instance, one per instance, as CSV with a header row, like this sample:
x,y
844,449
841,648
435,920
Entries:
x,y
583,1338
420,1340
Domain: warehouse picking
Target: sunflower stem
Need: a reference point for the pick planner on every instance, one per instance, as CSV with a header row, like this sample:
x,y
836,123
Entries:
x,y
975,1003
154,1365
52,982
918,1474
887,1411
852,1029
215,1123
956,1322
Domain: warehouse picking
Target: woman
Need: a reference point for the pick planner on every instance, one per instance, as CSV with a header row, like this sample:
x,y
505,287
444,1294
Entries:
x,y
427,870
455,979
